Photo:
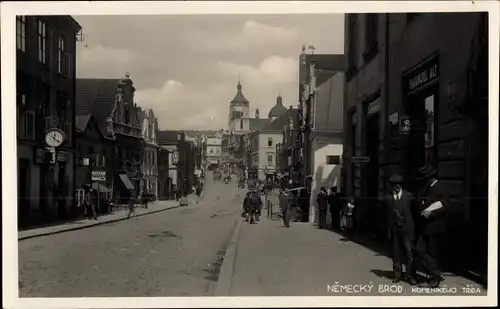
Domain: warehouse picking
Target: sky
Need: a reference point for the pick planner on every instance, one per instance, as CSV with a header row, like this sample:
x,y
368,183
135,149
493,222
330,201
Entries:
x,y
186,67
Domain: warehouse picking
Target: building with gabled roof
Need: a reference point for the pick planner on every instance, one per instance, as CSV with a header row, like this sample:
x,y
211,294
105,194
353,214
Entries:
x,y
111,103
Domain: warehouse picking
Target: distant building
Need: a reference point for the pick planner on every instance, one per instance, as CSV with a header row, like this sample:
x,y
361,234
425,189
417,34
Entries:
x,y
263,143
111,103
214,151
164,179
150,161
45,71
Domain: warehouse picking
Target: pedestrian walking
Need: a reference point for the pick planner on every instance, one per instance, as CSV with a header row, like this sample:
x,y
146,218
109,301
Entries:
x,y
287,205
431,225
347,218
90,202
322,201
400,228
131,206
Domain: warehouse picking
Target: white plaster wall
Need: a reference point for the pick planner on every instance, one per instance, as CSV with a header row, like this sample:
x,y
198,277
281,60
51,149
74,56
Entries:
x,y
324,175
264,150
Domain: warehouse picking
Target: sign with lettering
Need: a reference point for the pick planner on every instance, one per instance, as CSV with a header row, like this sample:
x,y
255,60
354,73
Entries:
x,y
423,75
405,125
98,176
62,156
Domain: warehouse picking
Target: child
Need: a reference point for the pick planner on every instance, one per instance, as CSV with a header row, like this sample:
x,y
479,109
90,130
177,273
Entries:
x,y
347,221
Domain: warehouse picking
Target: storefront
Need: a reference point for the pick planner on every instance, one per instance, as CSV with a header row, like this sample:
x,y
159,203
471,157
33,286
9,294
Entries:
x,y
421,100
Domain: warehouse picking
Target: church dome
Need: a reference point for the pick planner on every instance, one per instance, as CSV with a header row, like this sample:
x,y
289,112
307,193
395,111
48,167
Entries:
x,y
277,109
239,98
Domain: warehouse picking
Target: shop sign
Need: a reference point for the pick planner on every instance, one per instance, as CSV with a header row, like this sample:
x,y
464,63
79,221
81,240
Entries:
x,y
98,176
423,75
62,156
405,125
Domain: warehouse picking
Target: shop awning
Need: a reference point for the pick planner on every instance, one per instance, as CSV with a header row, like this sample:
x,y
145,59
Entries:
x,y
126,181
100,188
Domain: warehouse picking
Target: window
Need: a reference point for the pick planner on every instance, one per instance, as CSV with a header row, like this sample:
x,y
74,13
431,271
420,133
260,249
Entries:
x,y
68,130
42,42
103,161
96,163
21,99
371,33
270,158
269,142
21,123
241,124
21,33
332,160
429,131
60,55
30,125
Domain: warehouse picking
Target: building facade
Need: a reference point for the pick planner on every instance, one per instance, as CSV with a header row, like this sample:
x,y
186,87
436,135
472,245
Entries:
x,y
111,103
94,158
45,64
326,138
417,95
164,180
213,150
150,162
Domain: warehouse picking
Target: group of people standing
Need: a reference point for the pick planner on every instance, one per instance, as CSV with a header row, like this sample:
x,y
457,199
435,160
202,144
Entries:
x,y
415,224
252,206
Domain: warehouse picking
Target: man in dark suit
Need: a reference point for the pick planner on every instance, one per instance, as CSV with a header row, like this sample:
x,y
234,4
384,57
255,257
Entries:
x,y
400,228
432,225
322,200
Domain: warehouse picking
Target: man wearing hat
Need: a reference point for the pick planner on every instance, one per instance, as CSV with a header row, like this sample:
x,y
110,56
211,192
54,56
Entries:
x,y
400,228
431,223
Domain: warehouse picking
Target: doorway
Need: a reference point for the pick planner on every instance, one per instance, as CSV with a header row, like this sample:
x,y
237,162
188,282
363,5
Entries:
x,y
23,192
371,170
61,190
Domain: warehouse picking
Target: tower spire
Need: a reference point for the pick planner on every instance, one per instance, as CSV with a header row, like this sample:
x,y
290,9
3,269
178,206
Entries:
x,y
239,82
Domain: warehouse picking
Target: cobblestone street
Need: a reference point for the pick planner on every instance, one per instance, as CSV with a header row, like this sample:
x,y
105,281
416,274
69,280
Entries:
x,y
170,253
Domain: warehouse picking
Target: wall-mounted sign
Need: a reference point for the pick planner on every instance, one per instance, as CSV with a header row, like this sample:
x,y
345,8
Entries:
x,y
405,125
62,156
98,176
360,159
394,118
422,75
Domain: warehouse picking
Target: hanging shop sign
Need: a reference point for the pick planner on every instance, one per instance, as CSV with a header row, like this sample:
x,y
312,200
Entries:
x,y
98,175
404,125
423,75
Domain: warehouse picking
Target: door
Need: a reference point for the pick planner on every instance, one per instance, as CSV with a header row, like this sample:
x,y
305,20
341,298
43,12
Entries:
x,y
23,192
371,170
61,191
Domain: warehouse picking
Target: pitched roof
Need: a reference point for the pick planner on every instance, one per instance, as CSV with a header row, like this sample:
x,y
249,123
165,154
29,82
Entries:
x,y
96,96
239,97
279,123
258,123
81,122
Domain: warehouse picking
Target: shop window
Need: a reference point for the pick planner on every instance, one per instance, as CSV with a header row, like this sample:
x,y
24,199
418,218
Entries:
x,y
429,131
21,33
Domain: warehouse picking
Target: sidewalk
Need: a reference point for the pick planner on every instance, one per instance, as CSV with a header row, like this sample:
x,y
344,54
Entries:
x,y
272,260
118,215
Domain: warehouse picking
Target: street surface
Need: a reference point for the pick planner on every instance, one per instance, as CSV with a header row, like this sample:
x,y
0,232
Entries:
x,y
272,260
170,253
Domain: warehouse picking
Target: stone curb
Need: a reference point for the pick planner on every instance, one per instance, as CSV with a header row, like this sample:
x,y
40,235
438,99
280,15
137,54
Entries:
x,y
95,224
227,268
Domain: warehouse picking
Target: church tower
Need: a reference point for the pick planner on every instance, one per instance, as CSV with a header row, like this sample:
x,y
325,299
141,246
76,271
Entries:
x,y
239,113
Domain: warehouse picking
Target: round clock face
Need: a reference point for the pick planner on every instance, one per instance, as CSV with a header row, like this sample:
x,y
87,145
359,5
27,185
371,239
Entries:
x,y
54,138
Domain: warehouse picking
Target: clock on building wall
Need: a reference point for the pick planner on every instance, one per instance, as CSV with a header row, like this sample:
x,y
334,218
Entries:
x,y
54,138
